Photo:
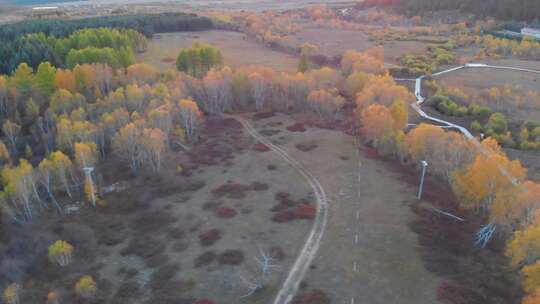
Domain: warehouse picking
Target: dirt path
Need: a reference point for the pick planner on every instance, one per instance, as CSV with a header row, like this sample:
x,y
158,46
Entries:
x,y
368,253
307,254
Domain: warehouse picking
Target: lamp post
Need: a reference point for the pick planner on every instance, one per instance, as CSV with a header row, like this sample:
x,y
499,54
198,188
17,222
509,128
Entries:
x,y
421,188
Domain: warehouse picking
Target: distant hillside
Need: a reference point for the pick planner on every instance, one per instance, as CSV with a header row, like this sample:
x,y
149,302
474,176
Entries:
x,y
521,10
31,2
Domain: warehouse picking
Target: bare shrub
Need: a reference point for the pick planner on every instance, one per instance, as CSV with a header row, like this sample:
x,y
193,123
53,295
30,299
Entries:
x,y
143,246
205,259
231,257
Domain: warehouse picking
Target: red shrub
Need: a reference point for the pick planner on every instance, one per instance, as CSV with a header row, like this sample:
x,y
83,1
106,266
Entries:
x,y
225,212
263,115
260,147
297,127
316,296
211,205
281,196
279,207
204,301
210,237
168,60
305,211
257,186
277,253
283,216
231,190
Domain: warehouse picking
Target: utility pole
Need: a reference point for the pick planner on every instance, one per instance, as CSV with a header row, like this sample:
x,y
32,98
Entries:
x,y
421,188
89,180
88,173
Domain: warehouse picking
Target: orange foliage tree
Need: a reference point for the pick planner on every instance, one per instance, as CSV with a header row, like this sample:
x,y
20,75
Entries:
x,y
444,151
326,103
382,90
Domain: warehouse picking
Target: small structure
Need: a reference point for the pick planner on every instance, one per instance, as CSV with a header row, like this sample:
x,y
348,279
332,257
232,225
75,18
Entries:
x,y
44,12
531,32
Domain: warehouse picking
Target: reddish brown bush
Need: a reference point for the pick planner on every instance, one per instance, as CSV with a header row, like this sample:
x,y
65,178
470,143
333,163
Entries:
x,y
231,257
257,186
305,211
282,195
231,190
210,237
260,147
297,127
168,60
212,205
204,301
459,294
205,259
277,253
306,147
283,216
225,212
279,207
316,296
263,115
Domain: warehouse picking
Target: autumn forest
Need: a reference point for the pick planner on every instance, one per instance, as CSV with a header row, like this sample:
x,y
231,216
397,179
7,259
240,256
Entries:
x,y
221,176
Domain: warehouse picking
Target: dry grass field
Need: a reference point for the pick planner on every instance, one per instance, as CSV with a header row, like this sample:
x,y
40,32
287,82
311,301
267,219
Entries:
x,y
237,50
473,80
334,42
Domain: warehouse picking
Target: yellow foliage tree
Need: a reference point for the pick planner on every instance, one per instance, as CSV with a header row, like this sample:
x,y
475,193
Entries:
x,y
85,154
524,248
11,294
532,277
355,83
400,114
478,184
86,287
61,253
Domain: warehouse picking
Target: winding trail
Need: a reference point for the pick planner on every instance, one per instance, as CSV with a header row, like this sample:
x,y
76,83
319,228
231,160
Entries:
x,y
309,250
420,99
446,124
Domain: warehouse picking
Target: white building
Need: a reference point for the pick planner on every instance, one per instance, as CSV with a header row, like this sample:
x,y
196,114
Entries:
x,y
530,32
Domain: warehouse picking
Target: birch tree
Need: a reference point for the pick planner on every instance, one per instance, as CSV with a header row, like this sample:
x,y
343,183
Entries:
x,y
63,168
190,117
11,131
46,177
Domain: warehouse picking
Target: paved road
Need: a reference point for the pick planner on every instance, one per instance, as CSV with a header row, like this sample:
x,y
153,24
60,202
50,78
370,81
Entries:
x,y
309,250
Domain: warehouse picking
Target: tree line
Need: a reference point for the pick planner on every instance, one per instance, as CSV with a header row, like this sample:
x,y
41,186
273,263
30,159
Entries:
x,y
523,10
17,46
105,45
